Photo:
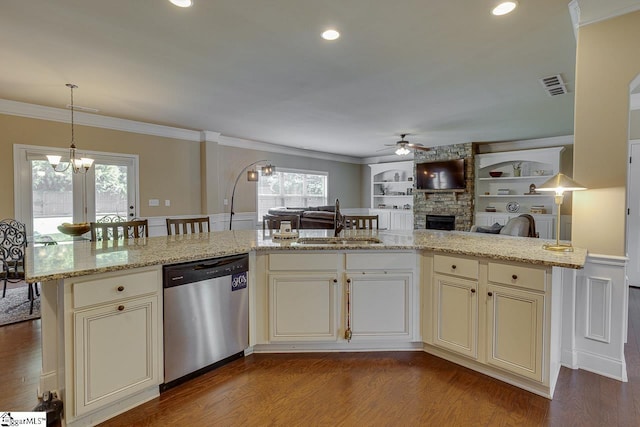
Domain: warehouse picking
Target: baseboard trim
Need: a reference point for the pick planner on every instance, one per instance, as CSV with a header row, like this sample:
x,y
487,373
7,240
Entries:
x,y
601,365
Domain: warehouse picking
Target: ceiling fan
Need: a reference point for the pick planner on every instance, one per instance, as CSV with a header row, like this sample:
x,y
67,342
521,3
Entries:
x,y
403,147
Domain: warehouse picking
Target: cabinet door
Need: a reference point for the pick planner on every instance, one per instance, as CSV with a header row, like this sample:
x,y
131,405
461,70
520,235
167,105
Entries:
x,y
515,330
115,348
455,308
302,307
384,221
401,220
379,305
546,227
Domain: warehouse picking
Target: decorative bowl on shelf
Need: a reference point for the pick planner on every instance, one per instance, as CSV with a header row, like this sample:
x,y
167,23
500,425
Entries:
x,y
74,229
495,174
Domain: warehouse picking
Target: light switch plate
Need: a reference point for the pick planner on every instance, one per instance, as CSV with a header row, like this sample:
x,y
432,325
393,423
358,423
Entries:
x,y
154,202
167,202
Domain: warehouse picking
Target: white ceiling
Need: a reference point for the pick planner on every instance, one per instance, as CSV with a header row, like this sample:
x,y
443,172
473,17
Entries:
x,y
446,71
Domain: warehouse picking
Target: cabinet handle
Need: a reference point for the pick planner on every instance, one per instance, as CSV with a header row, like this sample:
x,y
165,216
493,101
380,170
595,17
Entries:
x,y
514,277
453,267
120,307
473,291
348,280
490,294
120,288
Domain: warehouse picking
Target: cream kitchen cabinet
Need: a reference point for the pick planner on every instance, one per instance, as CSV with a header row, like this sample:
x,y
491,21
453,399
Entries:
x,y
303,296
455,304
302,307
116,340
515,319
314,297
379,296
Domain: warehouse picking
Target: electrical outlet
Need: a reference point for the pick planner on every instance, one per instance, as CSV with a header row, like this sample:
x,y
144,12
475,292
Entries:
x,y
225,202
167,202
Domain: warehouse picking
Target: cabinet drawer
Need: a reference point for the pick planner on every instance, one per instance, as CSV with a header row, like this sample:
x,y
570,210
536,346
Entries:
x,y
107,289
381,261
462,267
518,275
303,262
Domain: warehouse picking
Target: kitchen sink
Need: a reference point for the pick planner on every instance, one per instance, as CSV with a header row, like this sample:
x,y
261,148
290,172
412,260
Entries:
x,y
338,241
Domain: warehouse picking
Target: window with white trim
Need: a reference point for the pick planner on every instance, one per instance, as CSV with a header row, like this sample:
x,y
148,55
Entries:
x,y
291,188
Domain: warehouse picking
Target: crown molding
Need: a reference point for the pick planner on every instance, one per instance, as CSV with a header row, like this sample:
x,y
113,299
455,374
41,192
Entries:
x,y
600,15
247,144
33,111
526,144
40,112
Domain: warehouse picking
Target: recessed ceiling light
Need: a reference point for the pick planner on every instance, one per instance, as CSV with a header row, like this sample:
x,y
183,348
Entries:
x,y
504,7
182,3
330,35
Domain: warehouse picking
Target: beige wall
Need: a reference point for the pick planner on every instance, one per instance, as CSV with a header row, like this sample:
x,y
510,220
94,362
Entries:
x,y
195,177
169,168
607,61
345,179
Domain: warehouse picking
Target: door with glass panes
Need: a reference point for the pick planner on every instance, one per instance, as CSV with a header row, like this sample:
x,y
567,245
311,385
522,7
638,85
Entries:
x,y
108,189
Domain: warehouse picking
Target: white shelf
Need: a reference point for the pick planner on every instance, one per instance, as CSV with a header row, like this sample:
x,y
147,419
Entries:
x,y
393,182
528,196
517,178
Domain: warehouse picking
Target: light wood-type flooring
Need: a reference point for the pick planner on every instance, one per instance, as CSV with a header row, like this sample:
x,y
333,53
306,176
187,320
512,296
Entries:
x,y
352,389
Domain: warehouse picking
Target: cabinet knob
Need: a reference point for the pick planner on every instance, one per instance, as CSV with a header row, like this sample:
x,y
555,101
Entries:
x,y
335,280
514,276
120,288
453,267
490,294
120,307
348,280
473,291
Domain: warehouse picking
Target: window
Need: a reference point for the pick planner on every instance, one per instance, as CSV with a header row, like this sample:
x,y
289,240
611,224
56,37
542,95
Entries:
x,y
291,188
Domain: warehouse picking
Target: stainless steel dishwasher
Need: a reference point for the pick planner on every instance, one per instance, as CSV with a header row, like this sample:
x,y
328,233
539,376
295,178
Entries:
x,y
206,316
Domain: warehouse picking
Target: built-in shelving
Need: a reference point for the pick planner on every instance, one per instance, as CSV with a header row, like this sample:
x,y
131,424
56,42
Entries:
x,y
392,194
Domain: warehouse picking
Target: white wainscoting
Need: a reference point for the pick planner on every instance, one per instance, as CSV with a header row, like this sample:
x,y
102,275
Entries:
x,y
595,317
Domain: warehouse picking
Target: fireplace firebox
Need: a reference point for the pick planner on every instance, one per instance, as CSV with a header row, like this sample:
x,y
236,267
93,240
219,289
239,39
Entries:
x,y
441,222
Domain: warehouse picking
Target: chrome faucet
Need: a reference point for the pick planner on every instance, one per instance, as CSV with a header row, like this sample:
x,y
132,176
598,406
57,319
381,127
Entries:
x,y
338,221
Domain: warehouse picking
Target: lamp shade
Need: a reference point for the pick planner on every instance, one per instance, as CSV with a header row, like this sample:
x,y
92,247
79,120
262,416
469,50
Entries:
x,y
560,183
252,175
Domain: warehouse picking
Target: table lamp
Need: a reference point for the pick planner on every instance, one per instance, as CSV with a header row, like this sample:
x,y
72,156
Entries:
x,y
559,183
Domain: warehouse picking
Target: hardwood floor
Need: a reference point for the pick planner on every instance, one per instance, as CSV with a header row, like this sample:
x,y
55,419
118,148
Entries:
x,y
344,389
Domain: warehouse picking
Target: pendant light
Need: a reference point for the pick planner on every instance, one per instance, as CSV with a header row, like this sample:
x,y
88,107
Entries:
x,y
78,164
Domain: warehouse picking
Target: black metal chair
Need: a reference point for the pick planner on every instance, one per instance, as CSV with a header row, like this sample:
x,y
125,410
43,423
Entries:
x,y
13,242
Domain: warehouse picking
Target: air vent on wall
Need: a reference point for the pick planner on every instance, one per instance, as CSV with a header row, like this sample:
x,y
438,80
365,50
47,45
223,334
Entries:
x,y
554,85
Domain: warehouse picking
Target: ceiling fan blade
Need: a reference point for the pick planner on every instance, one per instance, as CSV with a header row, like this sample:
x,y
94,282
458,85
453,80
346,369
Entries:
x,y
418,147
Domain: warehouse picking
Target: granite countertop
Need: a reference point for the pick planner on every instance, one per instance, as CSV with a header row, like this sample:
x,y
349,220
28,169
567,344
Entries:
x,y
81,258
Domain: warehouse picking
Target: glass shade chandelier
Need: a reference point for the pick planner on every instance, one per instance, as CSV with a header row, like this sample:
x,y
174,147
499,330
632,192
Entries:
x,y
78,163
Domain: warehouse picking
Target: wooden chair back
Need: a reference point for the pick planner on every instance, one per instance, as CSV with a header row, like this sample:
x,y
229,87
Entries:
x,y
119,230
361,222
188,225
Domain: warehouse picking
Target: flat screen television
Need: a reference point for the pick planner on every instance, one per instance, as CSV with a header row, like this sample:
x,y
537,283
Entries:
x,y
443,175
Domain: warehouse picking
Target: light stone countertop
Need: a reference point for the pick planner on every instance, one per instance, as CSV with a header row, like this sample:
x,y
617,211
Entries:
x,y
82,258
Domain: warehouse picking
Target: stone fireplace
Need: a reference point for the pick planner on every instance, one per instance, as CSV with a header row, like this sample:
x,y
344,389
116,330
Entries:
x,y
457,204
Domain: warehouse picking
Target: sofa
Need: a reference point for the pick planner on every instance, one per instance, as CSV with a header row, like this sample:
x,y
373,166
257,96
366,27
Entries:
x,y
315,217
523,226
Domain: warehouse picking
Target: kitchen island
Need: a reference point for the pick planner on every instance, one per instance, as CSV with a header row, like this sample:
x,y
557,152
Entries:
x,y
491,303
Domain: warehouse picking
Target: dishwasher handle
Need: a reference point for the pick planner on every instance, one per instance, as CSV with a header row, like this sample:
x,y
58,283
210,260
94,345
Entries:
x,y
182,274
